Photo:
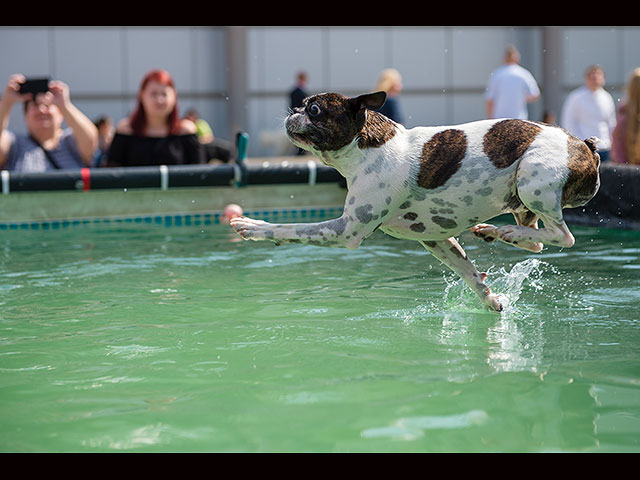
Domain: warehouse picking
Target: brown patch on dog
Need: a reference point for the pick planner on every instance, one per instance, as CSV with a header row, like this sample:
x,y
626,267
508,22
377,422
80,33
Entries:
x,y
377,130
506,141
583,180
441,158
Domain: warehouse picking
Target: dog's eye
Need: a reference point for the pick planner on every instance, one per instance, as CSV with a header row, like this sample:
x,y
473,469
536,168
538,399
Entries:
x,y
314,110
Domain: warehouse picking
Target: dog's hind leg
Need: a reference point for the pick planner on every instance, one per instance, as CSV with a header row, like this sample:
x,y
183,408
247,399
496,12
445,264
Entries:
x,y
554,232
453,256
547,205
527,219
546,186
490,233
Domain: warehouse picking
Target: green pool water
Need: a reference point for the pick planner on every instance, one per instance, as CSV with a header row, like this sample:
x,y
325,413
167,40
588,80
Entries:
x,y
146,338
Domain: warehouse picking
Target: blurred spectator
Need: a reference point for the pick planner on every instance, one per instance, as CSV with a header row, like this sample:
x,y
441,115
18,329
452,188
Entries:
x,y
203,129
105,128
299,92
154,134
589,111
510,88
549,117
214,148
296,96
390,81
625,146
47,145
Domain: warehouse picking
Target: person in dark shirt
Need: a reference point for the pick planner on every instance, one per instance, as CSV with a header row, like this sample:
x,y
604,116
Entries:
x,y
299,92
297,95
154,134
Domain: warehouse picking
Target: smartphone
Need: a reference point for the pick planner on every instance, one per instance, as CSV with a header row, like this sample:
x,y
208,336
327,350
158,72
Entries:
x,y
35,85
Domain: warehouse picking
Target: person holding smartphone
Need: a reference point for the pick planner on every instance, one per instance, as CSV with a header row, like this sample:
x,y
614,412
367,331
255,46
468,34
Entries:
x,y
46,145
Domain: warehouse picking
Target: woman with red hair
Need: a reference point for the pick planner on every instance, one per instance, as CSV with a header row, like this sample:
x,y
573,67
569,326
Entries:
x,y
154,134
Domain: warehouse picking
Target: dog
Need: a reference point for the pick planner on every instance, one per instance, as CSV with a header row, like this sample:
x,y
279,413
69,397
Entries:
x,y
430,184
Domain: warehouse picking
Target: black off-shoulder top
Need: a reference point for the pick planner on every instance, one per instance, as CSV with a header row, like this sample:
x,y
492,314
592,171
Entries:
x,y
132,150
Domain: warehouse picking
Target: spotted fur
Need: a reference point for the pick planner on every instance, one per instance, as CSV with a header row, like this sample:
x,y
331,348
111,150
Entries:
x,y
430,184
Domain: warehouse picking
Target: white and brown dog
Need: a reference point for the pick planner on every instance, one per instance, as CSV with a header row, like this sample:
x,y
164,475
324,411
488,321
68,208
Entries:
x,y
431,183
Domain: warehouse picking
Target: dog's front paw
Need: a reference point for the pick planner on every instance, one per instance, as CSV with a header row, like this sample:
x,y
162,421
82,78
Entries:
x,y
487,232
249,228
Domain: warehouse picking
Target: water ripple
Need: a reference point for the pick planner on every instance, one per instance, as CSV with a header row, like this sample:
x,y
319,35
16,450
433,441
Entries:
x,y
410,428
133,351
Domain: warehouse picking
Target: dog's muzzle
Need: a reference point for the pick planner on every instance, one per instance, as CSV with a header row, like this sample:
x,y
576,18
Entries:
x,y
296,126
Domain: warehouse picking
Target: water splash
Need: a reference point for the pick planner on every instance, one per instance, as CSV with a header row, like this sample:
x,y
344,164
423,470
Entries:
x,y
459,299
508,285
407,315
515,339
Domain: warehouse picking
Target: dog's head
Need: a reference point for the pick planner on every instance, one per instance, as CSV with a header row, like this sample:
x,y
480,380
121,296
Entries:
x,y
329,121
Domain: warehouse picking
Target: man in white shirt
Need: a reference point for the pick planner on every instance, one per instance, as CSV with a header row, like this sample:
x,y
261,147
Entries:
x,y
590,111
510,88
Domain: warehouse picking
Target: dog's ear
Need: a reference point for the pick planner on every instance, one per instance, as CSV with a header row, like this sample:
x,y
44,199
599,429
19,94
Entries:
x,y
372,101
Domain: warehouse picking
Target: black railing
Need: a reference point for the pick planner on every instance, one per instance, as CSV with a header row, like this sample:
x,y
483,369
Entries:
x,y
166,177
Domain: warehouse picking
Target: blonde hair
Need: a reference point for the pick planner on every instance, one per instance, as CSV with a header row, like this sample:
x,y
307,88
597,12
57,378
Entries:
x,y
632,135
387,79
